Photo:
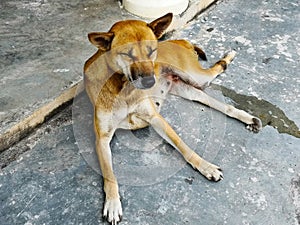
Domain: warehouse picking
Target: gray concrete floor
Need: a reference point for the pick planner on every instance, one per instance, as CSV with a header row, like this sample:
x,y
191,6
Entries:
x,y
43,47
56,179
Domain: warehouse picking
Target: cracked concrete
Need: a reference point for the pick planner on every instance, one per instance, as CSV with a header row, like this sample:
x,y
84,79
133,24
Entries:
x,y
51,177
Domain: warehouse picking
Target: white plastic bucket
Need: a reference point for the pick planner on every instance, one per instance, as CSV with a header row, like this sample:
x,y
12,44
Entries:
x,y
155,8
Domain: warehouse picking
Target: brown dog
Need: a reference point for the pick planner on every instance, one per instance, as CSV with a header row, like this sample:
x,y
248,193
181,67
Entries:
x,y
127,80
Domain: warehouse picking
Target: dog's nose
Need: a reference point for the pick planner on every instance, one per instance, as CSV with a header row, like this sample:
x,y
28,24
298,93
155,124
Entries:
x,y
148,82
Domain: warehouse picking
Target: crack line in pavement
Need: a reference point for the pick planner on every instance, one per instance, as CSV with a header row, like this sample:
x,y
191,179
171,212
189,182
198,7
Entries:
x,y
28,203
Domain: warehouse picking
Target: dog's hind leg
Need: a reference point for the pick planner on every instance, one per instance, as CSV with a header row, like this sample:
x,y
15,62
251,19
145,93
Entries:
x,y
197,76
180,58
189,92
221,65
202,78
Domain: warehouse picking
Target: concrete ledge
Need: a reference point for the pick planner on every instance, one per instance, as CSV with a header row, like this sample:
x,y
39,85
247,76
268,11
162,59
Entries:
x,y
39,116
193,10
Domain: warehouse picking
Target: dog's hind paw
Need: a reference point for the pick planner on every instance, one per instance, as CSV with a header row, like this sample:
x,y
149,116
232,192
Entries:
x,y
211,171
229,56
113,211
256,126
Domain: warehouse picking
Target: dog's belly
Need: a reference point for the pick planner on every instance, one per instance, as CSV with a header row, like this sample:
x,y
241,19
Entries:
x,y
132,122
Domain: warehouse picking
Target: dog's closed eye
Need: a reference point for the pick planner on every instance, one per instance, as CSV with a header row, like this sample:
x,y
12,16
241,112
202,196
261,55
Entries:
x,y
129,54
151,51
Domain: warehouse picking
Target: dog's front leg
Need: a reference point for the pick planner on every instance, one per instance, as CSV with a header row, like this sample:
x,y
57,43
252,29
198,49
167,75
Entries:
x,y
161,126
112,206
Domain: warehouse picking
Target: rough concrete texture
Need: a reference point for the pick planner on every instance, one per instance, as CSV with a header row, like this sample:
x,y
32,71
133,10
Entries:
x,y
43,47
56,180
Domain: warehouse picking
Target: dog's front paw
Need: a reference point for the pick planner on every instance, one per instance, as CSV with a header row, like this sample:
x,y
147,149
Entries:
x,y
256,126
211,171
113,211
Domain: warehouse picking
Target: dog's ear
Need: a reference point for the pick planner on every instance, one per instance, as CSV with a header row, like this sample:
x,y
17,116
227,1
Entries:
x,y
161,24
101,40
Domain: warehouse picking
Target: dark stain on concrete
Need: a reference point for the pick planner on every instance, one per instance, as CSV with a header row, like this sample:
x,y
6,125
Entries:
x,y
189,180
269,114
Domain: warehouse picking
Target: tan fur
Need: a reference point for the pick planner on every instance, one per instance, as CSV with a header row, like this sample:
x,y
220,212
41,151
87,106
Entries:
x,y
128,57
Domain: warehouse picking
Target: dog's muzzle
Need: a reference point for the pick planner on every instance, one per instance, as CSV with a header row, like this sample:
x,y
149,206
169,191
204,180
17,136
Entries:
x,y
142,74
144,82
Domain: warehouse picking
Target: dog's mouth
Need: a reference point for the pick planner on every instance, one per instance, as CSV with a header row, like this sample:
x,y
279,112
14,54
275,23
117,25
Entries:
x,y
143,82
140,74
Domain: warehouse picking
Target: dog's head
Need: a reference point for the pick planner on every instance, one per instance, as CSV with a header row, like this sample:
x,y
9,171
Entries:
x,y
132,48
